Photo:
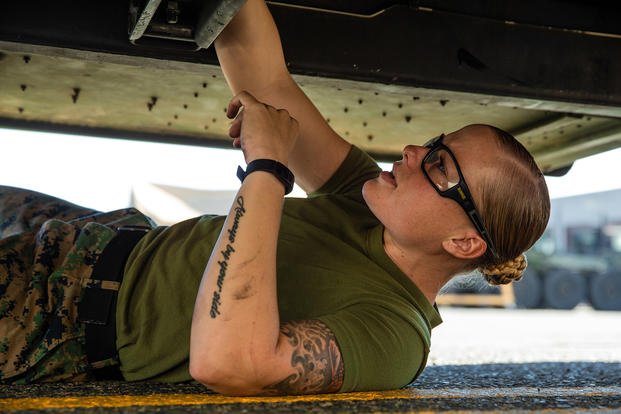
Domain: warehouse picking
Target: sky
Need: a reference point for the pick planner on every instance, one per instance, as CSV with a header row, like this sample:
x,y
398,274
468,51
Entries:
x,y
100,172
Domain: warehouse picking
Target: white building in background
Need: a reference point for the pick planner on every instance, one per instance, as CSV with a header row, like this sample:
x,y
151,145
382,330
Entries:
x,y
585,224
168,204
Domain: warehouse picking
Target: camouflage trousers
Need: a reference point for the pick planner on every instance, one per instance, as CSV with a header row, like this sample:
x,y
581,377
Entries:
x,y
48,247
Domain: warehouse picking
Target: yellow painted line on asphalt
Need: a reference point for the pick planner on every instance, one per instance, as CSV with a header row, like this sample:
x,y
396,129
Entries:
x,y
108,401
522,411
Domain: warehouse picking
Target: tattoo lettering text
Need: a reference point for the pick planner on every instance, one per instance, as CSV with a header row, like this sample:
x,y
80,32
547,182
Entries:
x,y
226,256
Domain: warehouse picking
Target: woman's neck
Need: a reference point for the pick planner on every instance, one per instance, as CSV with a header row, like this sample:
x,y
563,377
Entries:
x,y
428,272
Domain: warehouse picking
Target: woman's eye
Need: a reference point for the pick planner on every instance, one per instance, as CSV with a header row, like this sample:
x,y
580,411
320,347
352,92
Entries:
x,y
441,167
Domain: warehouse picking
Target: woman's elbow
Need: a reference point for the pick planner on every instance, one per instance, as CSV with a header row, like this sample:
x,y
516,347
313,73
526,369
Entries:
x,y
228,380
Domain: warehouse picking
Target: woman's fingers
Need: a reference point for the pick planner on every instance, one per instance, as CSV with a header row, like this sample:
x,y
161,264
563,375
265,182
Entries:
x,y
235,128
235,110
261,130
233,107
241,99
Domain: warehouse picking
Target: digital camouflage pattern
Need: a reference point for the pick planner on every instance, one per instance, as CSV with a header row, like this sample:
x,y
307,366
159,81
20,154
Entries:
x,y
47,251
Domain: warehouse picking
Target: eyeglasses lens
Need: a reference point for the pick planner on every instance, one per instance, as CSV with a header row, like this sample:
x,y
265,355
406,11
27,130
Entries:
x,y
441,169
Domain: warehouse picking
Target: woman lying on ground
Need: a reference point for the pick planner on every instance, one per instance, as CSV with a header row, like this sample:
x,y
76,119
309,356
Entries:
x,y
334,292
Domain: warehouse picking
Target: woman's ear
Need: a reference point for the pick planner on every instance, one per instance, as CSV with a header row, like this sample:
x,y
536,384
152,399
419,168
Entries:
x,y
468,245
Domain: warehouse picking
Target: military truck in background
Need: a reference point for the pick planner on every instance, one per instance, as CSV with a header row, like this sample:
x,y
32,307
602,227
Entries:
x,y
579,257
578,260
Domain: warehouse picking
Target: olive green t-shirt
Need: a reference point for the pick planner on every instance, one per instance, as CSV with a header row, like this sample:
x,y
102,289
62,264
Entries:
x,y
331,266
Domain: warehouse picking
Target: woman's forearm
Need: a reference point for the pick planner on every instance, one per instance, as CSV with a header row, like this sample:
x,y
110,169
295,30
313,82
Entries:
x,y
250,52
235,327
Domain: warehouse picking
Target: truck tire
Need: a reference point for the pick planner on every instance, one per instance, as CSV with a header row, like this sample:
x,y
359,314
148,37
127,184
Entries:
x,y
563,289
528,290
605,291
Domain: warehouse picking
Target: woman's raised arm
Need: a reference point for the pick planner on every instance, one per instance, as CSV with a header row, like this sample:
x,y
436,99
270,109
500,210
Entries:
x,y
251,56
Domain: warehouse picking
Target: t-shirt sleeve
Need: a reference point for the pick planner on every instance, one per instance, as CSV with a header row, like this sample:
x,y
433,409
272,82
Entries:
x,y
380,350
357,168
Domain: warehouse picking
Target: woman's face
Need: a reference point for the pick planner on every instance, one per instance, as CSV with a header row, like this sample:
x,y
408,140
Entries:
x,y
407,204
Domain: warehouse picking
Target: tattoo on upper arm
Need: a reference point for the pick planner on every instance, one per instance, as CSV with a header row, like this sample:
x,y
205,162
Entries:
x,y
226,255
316,360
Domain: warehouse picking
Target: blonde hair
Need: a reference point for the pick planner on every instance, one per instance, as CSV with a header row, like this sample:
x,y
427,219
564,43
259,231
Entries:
x,y
507,272
515,208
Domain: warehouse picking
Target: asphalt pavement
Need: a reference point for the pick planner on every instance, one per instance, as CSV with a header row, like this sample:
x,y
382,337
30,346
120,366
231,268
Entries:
x,y
482,360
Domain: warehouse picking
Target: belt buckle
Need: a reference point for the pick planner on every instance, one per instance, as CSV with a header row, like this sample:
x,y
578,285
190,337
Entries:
x,y
98,300
142,229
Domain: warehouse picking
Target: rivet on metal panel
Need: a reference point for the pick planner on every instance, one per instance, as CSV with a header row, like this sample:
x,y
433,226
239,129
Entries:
x,y
370,137
346,109
347,133
196,94
76,94
213,76
213,120
169,123
204,84
206,126
152,103
185,106
328,120
375,93
26,58
364,123
408,118
20,109
23,87
443,102
360,101
415,98
384,113
400,105
176,116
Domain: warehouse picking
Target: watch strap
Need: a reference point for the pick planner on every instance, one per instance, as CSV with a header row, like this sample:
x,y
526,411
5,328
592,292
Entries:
x,y
278,169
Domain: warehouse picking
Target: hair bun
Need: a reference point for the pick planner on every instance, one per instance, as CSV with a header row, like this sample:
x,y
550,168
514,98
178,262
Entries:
x,y
504,273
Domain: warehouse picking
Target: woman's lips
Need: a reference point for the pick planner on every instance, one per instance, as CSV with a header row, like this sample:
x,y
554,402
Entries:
x,y
389,177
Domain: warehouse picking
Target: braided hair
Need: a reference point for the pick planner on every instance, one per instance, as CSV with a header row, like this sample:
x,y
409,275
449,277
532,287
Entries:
x,y
504,273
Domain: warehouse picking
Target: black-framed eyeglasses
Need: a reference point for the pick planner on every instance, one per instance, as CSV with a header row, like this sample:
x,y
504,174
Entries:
x,y
442,170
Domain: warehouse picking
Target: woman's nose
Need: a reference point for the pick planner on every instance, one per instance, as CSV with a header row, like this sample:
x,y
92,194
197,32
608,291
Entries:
x,y
412,153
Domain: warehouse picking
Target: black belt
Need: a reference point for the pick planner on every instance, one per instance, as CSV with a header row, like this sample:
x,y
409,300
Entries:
x,y
97,309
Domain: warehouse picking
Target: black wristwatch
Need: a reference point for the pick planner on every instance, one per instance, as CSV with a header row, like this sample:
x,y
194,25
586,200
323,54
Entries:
x,y
279,170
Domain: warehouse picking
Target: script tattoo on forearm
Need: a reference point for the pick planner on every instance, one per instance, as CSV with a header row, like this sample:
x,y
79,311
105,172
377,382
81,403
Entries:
x,y
316,359
226,256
